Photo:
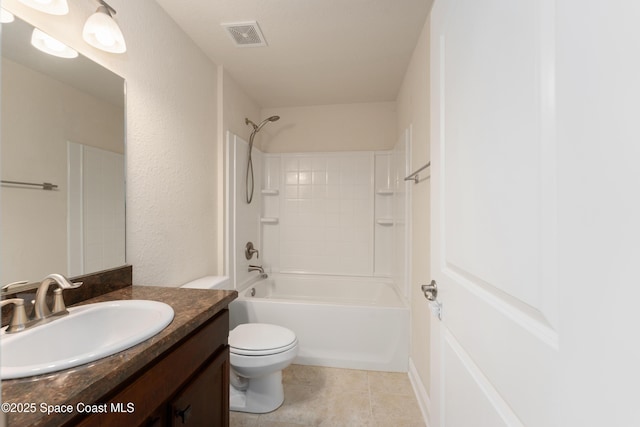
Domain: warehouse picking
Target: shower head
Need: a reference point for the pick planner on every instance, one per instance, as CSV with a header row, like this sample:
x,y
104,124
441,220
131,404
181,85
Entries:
x,y
256,128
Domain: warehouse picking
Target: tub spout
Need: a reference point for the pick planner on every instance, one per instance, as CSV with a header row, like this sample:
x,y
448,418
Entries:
x,y
256,268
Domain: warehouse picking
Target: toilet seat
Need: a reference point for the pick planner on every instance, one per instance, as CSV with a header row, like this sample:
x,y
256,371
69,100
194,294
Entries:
x,y
260,339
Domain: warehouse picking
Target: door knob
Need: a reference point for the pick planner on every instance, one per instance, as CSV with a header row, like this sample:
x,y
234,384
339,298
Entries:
x,y
430,290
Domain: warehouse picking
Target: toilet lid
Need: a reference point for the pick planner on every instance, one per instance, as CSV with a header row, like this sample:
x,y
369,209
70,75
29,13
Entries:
x,y
260,339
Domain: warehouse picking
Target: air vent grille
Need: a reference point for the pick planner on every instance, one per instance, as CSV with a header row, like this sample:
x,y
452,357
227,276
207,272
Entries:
x,y
245,34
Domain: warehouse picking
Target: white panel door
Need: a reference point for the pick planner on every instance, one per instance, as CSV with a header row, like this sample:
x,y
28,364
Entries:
x,y
493,229
536,212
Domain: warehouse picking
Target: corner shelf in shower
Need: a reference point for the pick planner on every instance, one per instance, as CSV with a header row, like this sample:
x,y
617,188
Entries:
x,y
269,220
384,221
384,192
270,191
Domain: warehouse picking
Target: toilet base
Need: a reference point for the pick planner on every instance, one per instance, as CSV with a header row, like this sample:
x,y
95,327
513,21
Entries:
x,y
264,394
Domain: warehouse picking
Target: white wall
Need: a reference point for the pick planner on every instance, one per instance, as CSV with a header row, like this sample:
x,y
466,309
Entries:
x,y
325,128
171,137
234,105
413,113
243,217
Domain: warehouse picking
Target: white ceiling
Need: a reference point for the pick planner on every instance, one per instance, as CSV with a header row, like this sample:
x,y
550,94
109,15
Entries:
x,y
319,51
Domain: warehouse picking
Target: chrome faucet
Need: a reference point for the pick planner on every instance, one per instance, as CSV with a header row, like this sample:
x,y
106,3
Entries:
x,y
41,309
256,268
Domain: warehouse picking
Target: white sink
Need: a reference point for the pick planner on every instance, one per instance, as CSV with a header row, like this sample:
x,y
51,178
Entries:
x,y
90,332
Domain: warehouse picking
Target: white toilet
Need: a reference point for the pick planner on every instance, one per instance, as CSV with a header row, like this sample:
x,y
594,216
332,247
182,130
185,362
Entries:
x,y
258,354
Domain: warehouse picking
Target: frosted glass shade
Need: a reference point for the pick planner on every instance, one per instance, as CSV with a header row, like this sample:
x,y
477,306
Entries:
x,y
102,32
52,7
48,44
6,16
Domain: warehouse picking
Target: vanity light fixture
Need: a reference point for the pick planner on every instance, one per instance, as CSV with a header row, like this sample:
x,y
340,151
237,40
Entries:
x,y
6,16
102,32
48,44
52,7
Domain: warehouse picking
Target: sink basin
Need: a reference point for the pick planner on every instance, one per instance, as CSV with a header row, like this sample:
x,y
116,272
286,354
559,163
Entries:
x,y
90,332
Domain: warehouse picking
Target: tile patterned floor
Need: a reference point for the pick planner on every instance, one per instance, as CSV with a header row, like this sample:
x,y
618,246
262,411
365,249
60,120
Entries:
x,y
330,397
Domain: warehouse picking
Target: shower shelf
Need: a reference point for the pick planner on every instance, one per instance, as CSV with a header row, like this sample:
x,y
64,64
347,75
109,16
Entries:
x,y
384,221
384,192
269,220
270,191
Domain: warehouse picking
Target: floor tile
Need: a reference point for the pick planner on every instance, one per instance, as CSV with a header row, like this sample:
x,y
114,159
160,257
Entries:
x,y
395,408
267,423
302,404
390,382
242,419
332,397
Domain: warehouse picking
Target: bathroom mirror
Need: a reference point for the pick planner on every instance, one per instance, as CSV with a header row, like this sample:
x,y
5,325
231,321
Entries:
x,y
62,123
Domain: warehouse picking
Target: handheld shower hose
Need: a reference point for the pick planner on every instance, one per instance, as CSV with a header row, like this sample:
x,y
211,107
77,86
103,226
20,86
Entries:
x,y
249,182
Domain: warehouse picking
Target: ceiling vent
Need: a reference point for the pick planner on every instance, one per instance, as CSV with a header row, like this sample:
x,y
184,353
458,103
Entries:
x,y
245,34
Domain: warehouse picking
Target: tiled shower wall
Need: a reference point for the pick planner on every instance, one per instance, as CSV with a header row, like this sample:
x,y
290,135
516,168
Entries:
x,y
339,213
327,213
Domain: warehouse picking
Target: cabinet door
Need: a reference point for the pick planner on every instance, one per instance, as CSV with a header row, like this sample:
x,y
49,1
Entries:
x,y
205,400
159,418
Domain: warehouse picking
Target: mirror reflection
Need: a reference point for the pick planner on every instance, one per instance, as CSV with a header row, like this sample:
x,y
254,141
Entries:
x,y
62,123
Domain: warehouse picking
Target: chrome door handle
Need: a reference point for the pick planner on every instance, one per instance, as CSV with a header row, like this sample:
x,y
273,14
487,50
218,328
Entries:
x,y
430,290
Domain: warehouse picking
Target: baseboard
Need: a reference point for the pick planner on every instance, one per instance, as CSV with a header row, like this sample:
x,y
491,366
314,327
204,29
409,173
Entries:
x,y
421,393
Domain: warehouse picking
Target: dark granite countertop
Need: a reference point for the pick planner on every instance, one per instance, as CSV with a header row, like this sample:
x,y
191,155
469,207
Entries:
x,y
88,383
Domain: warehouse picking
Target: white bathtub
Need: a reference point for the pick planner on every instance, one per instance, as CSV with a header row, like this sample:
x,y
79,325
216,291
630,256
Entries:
x,y
344,322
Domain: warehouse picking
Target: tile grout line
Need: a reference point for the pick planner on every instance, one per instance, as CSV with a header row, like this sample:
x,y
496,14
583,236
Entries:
x,y
370,396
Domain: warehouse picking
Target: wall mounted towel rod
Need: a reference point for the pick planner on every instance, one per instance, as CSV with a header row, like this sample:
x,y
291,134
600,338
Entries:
x,y
44,185
414,176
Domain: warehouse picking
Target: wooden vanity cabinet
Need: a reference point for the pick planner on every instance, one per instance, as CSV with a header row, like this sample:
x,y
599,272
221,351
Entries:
x,y
205,400
188,386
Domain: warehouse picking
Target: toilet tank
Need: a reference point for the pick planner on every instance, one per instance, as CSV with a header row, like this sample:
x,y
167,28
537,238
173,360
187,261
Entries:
x,y
209,282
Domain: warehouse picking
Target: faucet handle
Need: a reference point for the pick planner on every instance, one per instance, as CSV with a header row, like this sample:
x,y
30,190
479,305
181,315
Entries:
x,y
8,289
19,316
249,250
58,302
59,306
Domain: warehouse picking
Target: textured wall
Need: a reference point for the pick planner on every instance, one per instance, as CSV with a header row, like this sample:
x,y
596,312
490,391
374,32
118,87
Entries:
x,y
171,137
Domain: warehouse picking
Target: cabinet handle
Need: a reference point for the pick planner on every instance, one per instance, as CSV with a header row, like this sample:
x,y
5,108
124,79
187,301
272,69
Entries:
x,y
184,413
